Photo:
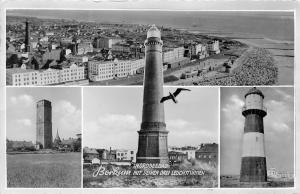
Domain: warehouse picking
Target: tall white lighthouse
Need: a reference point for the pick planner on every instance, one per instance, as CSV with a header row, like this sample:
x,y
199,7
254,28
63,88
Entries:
x,y
253,167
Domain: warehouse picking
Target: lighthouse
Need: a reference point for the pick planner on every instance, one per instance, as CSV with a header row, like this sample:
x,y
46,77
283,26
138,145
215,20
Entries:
x,y
253,166
153,143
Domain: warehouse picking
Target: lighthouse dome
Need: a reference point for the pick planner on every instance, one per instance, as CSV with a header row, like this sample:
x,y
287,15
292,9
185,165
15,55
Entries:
x,y
153,32
254,90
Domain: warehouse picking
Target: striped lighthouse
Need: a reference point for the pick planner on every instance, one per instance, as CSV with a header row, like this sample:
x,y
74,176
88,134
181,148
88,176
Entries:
x,y
253,167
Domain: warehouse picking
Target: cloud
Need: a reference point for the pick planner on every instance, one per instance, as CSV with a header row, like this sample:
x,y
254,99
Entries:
x,y
24,122
24,100
112,130
280,116
280,127
234,103
231,111
117,123
178,124
283,94
67,117
182,132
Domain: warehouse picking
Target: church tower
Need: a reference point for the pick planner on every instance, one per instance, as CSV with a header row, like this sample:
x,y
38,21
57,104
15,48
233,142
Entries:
x,y
57,140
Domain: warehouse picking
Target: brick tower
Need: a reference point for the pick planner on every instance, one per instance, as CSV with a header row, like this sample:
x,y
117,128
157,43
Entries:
x,y
253,167
153,144
44,124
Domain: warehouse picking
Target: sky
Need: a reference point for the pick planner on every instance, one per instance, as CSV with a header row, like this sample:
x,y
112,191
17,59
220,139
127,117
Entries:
x,y
21,111
278,128
112,117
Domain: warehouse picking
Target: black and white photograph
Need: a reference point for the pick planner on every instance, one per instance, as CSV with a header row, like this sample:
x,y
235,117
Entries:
x,y
108,47
43,137
257,137
149,96
168,140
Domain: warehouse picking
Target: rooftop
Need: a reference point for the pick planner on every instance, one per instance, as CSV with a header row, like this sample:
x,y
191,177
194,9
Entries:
x,y
18,70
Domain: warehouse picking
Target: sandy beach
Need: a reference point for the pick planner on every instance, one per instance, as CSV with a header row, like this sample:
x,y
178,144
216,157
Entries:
x,y
283,54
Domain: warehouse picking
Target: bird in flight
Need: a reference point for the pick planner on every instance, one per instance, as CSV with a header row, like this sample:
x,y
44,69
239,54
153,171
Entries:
x,y
172,96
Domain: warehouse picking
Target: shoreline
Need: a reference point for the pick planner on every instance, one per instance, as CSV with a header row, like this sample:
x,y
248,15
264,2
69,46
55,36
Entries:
x,y
283,54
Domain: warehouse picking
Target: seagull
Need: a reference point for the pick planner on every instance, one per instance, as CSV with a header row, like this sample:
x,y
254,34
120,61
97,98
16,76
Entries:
x,y
172,96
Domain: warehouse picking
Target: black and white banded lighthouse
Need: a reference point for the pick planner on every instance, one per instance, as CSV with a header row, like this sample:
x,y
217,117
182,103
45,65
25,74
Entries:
x,y
153,143
253,167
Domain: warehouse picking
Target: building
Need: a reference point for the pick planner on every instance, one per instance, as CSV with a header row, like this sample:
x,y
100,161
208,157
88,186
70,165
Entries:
x,y
67,145
70,145
253,165
65,41
103,154
198,50
213,47
188,150
124,48
107,42
207,153
44,124
89,154
78,59
57,140
125,155
152,143
84,48
275,174
176,157
54,54
71,73
95,161
24,77
173,54
104,70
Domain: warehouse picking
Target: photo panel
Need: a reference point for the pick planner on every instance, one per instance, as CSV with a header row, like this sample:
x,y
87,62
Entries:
x,y
43,137
109,47
257,137
131,140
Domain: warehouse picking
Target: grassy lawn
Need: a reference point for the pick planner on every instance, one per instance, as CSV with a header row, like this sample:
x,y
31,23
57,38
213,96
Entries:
x,y
44,170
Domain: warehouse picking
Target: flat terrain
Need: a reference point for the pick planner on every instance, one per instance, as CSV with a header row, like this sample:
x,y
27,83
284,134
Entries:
x,y
44,170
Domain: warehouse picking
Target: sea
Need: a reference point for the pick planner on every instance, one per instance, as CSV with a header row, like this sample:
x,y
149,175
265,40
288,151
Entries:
x,y
276,25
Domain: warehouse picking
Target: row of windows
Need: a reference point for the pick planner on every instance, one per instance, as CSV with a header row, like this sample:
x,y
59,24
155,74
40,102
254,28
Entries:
x,y
206,156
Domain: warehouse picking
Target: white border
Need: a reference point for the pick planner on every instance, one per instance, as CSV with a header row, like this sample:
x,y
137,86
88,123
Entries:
x,y
172,5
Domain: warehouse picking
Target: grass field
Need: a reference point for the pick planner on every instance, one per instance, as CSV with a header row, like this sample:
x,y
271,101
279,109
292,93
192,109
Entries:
x,y
44,170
